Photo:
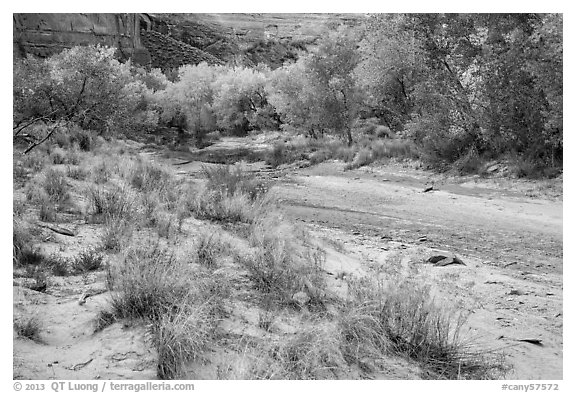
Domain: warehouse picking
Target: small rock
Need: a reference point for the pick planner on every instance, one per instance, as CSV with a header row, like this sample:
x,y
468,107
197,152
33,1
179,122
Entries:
x,y
445,260
516,292
422,239
428,189
301,298
493,168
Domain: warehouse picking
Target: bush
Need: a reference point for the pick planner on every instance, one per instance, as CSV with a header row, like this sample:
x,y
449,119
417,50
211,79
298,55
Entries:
x,y
83,85
86,261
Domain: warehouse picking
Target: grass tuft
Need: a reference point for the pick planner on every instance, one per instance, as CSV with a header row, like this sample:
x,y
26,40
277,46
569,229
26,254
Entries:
x,y
28,326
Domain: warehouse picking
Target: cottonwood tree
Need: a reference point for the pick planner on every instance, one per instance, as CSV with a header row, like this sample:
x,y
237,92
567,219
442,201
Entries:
x,y
318,93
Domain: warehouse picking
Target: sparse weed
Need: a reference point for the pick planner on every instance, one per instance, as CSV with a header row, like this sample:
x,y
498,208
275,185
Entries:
x,y
116,234
35,160
210,247
101,173
104,319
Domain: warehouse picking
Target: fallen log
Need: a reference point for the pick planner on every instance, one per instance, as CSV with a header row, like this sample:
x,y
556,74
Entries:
x,y
58,229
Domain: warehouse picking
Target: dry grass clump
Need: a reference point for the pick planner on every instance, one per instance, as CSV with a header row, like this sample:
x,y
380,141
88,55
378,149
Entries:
x,y
55,185
234,180
76,172
116,233
210,248
383,149
313,352
147,176
280,265
181,336
23,251
405,320
230,195
86,261
47,212
28,326
113,202
182,304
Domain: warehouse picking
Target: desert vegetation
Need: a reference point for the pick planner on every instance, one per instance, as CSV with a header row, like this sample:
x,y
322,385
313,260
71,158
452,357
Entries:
x,y
207,262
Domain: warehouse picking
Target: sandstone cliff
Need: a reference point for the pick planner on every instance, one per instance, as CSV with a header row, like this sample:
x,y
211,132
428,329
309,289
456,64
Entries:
x,y
171,40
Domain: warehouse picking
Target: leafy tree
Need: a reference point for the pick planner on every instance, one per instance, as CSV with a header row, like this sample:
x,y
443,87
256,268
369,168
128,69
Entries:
x,y
241,102
82,85
187,102
319,93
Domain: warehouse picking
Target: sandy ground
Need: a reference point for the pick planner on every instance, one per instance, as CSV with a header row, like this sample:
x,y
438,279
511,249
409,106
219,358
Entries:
x,y
373,220
511,245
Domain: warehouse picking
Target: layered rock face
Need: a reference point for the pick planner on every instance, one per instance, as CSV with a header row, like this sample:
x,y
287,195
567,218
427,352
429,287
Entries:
x,y
170,40
46,34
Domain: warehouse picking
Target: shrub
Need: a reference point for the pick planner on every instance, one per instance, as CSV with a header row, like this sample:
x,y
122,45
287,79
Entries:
x,y
82,138
58,156
86,261
59,266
